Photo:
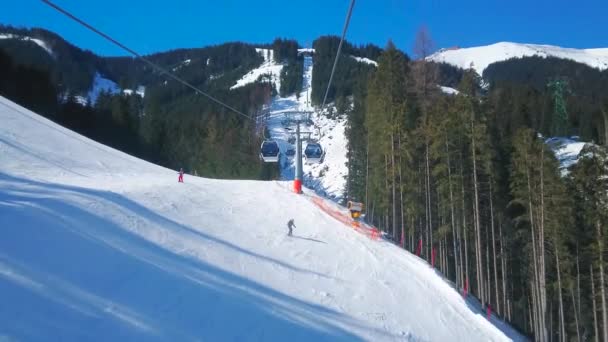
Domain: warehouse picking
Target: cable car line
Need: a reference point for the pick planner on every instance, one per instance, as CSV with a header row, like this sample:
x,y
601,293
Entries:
x,y
146,60
333,69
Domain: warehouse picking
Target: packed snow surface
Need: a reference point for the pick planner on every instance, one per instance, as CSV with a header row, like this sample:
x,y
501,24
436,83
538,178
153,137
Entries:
x,y
567,150
479,58
101,84
365,60
268,68
36,41
329,177
98,245
449,91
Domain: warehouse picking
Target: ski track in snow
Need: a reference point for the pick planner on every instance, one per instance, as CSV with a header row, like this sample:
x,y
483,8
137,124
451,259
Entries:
x,y
99,245
328,177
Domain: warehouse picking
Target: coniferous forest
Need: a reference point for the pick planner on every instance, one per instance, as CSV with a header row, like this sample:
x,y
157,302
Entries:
x,y
465,181
468,183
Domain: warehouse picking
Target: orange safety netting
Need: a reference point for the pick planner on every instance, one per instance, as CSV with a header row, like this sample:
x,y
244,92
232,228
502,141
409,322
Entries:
x,y
371,232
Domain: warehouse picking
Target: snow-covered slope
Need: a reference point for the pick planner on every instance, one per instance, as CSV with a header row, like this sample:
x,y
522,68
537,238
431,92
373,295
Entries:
x,y
98,245
480,57
269,68
38,42
567,151
328,177
101,84
365,60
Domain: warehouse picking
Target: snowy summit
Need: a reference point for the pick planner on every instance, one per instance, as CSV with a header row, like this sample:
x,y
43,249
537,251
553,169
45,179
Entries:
x,y
479,58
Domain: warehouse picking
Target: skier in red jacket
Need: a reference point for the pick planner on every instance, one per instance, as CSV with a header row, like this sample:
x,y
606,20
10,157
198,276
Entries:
x,y
180,179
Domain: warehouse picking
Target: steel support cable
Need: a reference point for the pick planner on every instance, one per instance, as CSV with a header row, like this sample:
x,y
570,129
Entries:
x,y
152,64
333,69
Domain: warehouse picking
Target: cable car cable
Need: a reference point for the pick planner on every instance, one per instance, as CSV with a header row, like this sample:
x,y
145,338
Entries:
x,y
333,69
152,64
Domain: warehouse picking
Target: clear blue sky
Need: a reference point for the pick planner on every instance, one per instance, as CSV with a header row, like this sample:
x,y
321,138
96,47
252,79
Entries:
x,y
155,25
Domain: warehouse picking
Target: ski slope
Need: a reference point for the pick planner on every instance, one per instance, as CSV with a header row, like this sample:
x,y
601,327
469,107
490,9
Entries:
x,y
269,68
480,57
98,245
329,177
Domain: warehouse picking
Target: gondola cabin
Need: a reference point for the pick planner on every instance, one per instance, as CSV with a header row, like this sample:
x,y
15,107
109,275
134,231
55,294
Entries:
x,y
269,151
314,153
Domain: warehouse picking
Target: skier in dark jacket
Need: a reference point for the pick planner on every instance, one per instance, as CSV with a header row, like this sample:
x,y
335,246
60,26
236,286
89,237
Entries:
x,y
290,226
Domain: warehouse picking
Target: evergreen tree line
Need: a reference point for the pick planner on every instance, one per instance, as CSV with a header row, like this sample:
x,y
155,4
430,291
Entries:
x,y
285,51
348,71
467,183
173,128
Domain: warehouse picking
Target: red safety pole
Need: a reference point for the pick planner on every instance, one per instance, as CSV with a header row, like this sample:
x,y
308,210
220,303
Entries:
x,y
433,253
297,186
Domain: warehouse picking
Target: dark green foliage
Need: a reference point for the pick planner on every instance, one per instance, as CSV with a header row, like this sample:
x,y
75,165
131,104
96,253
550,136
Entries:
x,y
449,75
285,50
292,77
71,68
348,72
27,86
528,78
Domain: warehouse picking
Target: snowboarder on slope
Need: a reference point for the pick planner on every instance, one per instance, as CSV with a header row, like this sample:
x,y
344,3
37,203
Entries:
x,y
180,179
290,226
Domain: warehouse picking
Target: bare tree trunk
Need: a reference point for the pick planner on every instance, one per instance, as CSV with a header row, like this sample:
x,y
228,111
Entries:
x,y
394,188
367,177
551,322
480,285
502,269
593,297
465,235
488,274
446,269
530,319
605,115
600,243
578,283
578,333
388,191
536,289
560,297
535,306
575,302
541,241
496,283
429,232
403,217
447,153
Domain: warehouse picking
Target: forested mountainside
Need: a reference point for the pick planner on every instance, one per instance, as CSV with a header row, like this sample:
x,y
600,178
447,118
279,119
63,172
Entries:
x,y
470,181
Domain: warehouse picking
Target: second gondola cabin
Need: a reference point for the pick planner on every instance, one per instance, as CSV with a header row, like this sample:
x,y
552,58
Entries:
x,y
314,153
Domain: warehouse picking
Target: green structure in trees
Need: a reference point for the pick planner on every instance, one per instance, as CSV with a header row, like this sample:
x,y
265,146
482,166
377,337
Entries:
x,y
560,125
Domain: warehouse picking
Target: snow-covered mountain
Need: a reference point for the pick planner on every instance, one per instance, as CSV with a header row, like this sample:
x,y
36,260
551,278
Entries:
x,y
269,68
36,41
99,245
480,57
